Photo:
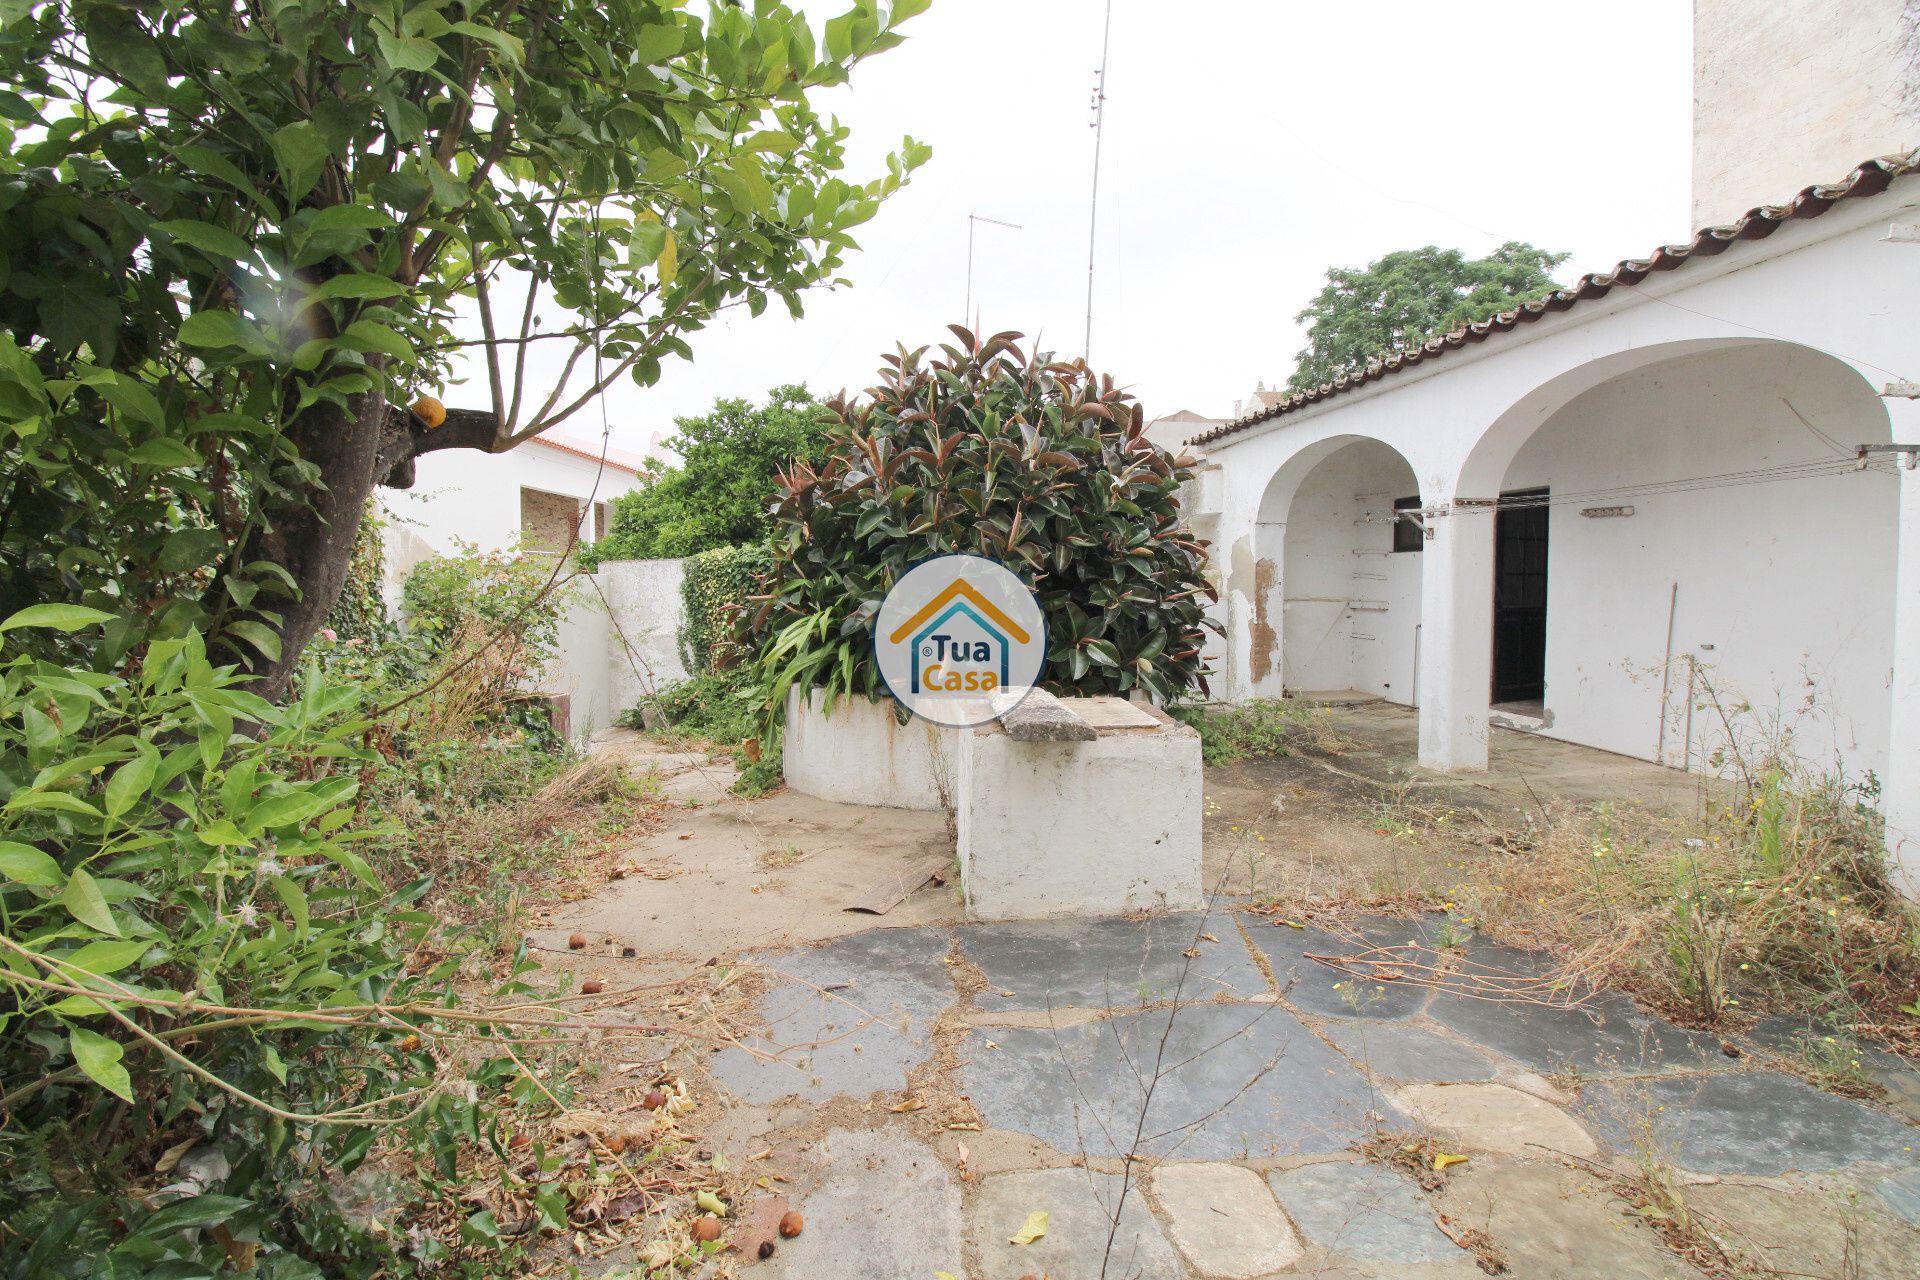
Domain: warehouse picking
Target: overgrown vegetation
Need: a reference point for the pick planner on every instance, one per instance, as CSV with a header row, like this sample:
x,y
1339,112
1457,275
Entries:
x,y
717,496
1779,897
723,709
1262,727
241,964
1037,463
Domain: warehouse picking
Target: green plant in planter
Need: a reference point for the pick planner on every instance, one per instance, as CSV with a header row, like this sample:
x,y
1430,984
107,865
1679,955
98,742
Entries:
x,y
1039,464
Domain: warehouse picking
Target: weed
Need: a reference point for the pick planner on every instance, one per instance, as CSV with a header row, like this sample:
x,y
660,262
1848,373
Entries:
x,y
1656,1190
759,777
1777,896
1836,1062
1263,727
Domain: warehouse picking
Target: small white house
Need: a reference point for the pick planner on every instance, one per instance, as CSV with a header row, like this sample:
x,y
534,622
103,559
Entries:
x,y
1690,477
537,495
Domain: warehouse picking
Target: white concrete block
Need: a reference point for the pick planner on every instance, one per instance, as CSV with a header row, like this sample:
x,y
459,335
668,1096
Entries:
x,y
1081,828
860,753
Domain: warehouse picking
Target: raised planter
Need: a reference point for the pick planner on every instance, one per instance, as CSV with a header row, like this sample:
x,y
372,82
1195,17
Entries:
x,y
862,754
1079,806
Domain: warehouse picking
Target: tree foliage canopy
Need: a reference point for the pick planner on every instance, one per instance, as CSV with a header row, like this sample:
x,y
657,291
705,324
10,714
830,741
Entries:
x,y
238,234
1409,297
717,496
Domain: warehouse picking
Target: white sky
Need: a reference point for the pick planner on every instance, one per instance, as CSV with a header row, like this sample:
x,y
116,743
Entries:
x,y
1249,144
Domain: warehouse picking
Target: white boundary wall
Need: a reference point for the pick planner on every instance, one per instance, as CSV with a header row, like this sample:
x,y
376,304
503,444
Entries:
x,y
644,599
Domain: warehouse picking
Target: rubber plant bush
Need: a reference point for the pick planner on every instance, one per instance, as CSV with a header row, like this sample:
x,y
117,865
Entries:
x,y
1037,463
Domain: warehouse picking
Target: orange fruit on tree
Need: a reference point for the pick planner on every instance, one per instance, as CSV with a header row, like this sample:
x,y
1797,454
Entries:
x,y
429,411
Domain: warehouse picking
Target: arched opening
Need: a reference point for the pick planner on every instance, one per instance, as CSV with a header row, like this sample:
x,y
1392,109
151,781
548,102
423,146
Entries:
x,y
1337,574
1689,536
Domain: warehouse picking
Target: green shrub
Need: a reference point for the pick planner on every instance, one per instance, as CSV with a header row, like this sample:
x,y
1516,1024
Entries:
x,y
723,708
199,955
715,586
360,611
1038,464
494,592
716,706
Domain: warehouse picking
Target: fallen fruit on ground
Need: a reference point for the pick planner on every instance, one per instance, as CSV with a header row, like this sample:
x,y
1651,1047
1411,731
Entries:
x,y
654,1100
792,1224
706,1228
592,987
577,941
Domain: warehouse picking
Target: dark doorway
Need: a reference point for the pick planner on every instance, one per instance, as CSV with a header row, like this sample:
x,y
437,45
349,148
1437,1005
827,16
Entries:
x,y
1520,597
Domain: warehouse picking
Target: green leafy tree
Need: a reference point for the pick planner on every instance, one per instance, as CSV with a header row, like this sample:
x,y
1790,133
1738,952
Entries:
x,y
717,496
1410,297
241,236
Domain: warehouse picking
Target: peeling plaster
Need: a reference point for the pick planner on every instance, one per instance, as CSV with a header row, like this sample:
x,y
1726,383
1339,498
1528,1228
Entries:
x,y
1266,640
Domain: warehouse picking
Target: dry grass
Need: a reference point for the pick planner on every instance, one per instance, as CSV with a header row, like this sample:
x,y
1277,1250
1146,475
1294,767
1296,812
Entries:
x,y
1778,901
1655,1190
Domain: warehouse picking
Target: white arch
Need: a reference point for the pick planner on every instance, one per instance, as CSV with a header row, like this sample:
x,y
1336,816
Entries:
x,y
1457,600
1264,588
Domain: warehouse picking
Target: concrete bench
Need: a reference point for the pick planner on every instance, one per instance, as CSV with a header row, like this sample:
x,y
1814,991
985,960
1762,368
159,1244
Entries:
x,y
1078,806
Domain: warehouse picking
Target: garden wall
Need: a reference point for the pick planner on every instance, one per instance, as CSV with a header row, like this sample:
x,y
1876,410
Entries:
x,y
643,599
579,670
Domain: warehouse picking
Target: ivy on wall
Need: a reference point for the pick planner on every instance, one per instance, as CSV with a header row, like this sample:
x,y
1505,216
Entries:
x,y
713,581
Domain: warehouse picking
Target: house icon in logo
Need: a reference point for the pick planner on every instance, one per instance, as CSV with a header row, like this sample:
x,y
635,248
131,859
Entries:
x,y
960,599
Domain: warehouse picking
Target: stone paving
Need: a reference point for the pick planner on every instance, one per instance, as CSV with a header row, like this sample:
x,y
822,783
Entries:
x,y
1232,1077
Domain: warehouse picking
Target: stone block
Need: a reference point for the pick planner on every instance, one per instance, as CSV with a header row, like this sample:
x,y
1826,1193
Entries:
x,y
1224,1220
1079,827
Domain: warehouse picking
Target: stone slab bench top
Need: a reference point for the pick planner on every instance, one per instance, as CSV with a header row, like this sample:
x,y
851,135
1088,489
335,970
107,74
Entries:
x,y
1041,717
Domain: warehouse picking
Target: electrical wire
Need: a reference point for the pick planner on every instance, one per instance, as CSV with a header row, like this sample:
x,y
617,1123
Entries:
x,y
1810,469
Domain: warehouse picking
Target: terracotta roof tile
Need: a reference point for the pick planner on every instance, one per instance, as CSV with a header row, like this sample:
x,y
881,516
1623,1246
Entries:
x,y
1868,179
616,459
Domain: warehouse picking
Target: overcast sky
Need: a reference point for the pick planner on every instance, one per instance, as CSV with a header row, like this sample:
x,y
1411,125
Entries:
x,y
1249,144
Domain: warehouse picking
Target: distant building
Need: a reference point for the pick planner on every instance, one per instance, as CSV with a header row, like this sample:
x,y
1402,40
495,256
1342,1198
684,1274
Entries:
x,y
1171,431
534,496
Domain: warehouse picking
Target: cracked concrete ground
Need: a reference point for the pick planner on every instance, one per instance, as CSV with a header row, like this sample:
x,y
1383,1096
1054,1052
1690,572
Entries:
x,y
1188,1095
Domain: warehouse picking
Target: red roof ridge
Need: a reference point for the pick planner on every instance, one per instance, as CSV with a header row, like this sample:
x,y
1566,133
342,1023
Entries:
x,y
616,459
1869,178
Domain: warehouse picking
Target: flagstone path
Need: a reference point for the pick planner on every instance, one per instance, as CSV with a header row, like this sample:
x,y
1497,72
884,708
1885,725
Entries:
x,y
1236,1077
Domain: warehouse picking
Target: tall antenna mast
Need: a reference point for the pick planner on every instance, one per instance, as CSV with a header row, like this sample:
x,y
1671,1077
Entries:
x,y
967,316
1093,203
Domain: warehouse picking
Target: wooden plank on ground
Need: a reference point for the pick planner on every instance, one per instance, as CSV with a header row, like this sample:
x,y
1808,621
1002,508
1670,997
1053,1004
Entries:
x,y
892,891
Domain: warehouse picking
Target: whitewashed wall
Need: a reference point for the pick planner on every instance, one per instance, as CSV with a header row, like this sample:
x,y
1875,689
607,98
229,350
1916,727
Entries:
x,y
646,615
1783,588
463,495
1351,604
1789,94
579,670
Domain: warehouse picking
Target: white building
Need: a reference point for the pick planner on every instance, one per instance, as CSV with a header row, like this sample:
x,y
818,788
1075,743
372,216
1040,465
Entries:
x,y
536,495
1593,514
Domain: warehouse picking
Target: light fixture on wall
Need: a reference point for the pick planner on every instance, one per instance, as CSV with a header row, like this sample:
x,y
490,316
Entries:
x,y
1602,513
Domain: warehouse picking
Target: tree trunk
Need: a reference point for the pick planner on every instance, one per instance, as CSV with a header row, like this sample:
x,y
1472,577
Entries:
x,y
313,539
376,443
